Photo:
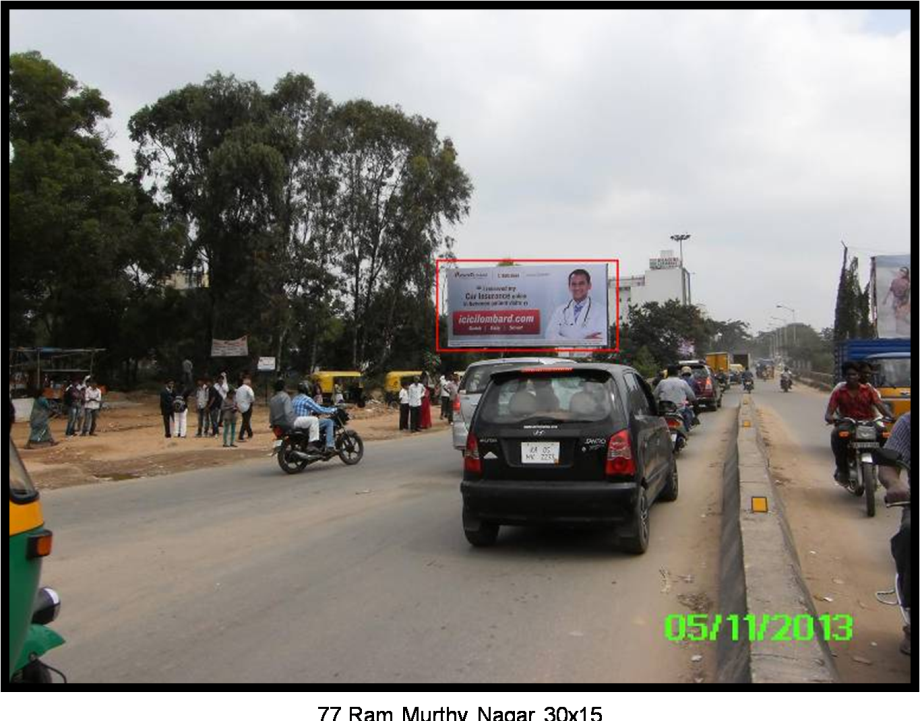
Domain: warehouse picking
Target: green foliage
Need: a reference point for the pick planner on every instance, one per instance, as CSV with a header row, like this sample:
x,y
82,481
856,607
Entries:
x,y
851,315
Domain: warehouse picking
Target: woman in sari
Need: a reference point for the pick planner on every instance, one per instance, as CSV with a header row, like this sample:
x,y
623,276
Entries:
x,y
40,430
424,420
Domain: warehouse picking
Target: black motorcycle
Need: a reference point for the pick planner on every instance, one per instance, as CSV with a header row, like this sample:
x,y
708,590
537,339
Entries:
x,y
748,385
295,452
785,384
864,438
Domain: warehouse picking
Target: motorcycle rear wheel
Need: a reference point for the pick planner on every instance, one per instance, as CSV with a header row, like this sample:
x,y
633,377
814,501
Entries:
x,y
289,464
869,483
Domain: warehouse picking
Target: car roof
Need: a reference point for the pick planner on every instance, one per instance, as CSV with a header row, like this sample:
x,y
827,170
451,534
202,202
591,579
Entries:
x,y
612,368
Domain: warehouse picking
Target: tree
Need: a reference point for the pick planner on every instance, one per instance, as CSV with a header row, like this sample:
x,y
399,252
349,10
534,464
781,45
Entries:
x,y
851,315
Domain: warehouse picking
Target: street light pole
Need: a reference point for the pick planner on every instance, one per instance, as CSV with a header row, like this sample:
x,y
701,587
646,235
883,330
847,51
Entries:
x,y
792,310
679,239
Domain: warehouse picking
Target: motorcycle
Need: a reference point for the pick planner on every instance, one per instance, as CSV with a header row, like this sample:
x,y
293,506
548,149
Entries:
x,y
894,596
295,452
864,439
676,426
748,385
785,384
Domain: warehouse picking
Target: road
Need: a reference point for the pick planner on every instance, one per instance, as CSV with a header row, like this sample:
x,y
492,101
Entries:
x,y
845,555
363,574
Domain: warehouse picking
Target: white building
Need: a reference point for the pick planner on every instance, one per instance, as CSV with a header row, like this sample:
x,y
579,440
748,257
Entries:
x,y
663,281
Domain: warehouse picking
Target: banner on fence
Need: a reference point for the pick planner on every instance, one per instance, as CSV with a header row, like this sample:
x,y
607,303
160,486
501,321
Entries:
x,y
236,347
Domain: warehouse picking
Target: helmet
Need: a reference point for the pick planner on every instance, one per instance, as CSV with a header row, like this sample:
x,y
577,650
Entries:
x,y
686,371
303,387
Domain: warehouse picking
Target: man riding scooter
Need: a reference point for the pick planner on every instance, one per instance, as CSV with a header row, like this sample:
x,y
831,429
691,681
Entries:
x,y
898,491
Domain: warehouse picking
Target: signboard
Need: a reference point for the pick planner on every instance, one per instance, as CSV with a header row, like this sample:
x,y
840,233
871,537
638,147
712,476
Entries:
x,y
891,295
662,263
528,305
266,363
236,347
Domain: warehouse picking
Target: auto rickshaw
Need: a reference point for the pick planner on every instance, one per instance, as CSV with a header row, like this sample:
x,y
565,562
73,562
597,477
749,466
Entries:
x,y
891,377
351,382
31,608
393,383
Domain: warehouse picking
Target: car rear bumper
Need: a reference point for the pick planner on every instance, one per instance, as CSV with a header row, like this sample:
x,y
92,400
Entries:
x,y
525,502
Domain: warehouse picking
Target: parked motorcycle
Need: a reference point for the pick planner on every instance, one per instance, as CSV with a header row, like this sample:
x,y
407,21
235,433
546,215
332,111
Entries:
x,y
864,438
295,452
675,420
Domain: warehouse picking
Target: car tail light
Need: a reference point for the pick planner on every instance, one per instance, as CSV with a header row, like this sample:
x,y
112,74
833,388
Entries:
x,y
471,460
619,455
709,384
457,404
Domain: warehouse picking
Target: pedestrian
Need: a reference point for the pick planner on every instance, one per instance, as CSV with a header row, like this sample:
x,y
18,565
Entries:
x,y
202,393
39,428
215,400
452,390
92,404
180,411
416,391
228,412
73,394
424,416
445,395
404,406
245,397
337,396
222,387
166,407
187,377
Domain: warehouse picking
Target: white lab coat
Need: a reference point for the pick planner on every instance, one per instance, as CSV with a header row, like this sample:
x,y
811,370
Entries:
x,y
592,319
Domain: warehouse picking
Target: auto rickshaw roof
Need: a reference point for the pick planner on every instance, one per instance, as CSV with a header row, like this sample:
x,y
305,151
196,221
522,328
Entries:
x,y
337,374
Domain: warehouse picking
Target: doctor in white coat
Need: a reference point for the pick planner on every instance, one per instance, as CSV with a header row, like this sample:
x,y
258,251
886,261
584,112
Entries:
x,y
581,318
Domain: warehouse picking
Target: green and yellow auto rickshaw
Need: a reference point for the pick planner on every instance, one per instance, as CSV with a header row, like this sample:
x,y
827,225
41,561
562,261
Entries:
x,y
31,608
350,385
393,383
892,379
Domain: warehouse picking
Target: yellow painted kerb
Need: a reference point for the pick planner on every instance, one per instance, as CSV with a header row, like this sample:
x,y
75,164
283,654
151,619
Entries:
x,y
25,516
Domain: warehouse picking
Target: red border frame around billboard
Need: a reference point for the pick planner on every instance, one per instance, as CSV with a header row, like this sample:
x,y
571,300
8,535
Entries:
x,y
437,302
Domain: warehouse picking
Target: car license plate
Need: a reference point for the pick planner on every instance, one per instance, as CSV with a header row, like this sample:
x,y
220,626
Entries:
x,y
541,452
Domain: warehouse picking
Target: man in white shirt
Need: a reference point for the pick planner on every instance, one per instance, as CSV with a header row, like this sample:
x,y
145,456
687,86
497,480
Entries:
x,y
677,391
580,318
245,397
415,392
445,396
91,405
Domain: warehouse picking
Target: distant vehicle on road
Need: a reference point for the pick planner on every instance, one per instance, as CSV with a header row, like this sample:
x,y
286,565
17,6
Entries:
x,y
734,373
710,391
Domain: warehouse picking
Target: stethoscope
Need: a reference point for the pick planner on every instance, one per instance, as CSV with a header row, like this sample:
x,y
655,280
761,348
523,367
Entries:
x,y
584,319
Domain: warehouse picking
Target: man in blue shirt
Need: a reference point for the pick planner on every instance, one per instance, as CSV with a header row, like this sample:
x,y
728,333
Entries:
x,y
306,406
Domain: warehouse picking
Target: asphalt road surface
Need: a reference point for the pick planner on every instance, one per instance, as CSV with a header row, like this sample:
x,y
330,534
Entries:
x,y
363,574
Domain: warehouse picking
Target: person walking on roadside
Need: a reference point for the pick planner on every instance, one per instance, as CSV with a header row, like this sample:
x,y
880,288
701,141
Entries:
x,y
452,390
404,406
416,391
228,412
445,395
202,394
424,414
245,397
217,399
180,411
92,404
74,395
166,407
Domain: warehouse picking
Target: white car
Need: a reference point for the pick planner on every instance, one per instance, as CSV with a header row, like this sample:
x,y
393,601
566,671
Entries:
x,y
474,382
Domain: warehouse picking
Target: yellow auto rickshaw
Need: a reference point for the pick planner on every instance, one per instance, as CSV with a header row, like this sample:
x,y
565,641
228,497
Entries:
x,y
393,383
350,383
891,377
30,608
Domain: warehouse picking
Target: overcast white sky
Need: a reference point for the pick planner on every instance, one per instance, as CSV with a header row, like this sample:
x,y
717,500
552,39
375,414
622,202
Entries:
x,y
767,135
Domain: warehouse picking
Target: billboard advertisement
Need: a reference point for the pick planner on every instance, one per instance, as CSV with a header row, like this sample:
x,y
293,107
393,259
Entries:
x,y
892,301
528,305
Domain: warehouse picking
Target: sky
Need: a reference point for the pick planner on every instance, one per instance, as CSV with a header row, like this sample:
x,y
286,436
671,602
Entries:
x,y
769,136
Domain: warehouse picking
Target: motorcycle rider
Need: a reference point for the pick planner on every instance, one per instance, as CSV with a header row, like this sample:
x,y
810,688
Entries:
x,y
306,407
281,414
678,392
853,400
686,374
899,491
786,377
746,376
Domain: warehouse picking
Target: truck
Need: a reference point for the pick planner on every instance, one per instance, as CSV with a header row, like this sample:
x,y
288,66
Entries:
x,y
891,359
717,361
856,349
742,359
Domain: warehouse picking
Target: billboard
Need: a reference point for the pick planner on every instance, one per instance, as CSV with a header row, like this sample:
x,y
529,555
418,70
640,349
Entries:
x,y
891,295
230,348
528,305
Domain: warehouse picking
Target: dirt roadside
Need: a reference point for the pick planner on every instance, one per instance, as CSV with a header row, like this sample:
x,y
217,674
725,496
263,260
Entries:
x,y
131,444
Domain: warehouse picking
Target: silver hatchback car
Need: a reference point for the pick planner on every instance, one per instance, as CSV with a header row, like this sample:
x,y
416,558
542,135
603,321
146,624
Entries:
x,y
474,383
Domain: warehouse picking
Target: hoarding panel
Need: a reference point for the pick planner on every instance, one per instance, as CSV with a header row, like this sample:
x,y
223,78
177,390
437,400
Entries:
x,y
891,276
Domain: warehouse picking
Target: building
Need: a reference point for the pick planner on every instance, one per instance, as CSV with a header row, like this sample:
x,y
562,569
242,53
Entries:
x,y
663,281
183,280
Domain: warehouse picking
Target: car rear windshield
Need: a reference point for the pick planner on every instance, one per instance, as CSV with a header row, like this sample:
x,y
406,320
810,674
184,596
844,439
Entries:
x,y
569,398
476,379
21,488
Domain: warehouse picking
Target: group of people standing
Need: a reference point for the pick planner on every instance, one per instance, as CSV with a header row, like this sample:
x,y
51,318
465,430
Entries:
x,y
81,399
219,405
415,399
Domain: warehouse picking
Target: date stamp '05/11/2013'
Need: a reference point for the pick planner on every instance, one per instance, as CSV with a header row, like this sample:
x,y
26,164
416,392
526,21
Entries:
x,y
752,627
